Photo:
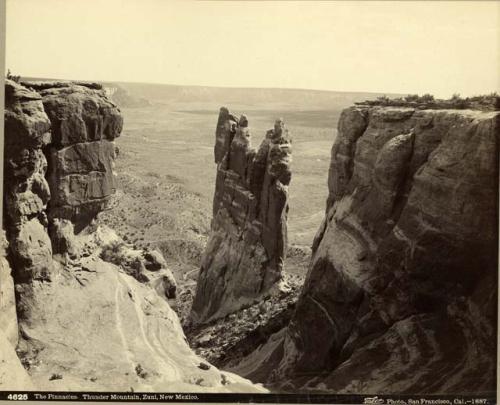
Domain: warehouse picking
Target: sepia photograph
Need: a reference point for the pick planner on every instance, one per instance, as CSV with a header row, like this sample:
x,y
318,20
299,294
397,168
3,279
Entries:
x,y
250,201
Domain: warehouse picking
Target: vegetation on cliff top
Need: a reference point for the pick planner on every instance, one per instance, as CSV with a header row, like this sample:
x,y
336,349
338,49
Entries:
x,y
485,102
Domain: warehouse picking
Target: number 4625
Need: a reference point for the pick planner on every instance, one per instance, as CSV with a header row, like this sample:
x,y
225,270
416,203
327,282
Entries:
x,y
18,397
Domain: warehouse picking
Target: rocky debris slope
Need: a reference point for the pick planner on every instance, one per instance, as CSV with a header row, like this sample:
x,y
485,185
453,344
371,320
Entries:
x,y
401,293
92,310
243,260
224,341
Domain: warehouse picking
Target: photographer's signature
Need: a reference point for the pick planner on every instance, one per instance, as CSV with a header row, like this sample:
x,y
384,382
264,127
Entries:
x,y
373,400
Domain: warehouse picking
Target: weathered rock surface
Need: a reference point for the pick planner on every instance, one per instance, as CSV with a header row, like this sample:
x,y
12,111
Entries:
x,y
401,293
99,329
13,376
74,125
84,323
8,317
26,191
62,235
84,124
243,260
146,266
225,341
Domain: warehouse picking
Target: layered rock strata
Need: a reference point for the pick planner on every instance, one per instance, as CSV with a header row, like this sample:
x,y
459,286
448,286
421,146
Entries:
x,y
58,148
93,312
401,293
84,124
244,256
26,191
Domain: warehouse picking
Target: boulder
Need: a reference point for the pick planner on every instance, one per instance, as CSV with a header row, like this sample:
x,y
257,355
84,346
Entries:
x,y
163,282
62,235
154,260
32,257
146,266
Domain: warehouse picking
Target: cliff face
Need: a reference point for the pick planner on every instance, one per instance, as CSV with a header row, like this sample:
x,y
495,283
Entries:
x,y
69,129
244,256
8,317
84,124
12,373
26,191
401,293
92,311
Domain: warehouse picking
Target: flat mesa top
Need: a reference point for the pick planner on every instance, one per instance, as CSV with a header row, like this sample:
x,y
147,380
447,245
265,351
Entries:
x,y
42,85
473,113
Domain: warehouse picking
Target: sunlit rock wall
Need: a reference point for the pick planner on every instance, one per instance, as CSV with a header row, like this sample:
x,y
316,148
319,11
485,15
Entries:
x,y
244,256
401,293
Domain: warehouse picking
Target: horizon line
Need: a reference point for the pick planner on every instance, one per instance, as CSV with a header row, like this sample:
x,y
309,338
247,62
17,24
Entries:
x,y
27,78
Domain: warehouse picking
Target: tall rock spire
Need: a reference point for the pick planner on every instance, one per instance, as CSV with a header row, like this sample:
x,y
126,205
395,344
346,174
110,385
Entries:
x,y
243,260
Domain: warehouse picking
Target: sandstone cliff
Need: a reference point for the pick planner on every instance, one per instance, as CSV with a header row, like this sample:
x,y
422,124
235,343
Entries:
x,y
8,317
243,260
84,124
92,311
401,293
26,191
12,373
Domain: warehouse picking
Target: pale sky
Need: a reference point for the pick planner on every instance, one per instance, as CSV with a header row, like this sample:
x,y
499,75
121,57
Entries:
x,y
439,47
